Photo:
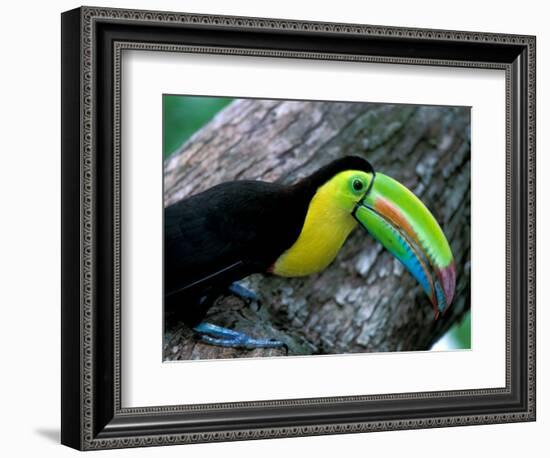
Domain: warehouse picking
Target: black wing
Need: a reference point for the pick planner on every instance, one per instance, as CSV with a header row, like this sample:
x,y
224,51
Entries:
x,y
226,233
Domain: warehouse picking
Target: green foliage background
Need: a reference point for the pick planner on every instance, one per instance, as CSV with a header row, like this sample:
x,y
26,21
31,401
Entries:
x,y
459,336
184,115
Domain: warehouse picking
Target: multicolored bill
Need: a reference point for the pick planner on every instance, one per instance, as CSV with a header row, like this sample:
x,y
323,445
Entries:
x,y
398,219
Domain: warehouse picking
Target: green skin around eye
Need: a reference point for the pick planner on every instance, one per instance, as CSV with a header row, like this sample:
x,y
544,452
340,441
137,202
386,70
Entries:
x,y
357,185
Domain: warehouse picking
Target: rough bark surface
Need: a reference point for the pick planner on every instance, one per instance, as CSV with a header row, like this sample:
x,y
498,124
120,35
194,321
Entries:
x,y
365,301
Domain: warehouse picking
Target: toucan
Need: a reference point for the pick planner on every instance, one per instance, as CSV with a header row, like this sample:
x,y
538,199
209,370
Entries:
x,y
217,237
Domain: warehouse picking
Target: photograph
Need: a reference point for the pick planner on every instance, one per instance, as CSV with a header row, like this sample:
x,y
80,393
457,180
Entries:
x,y
285,228
314,227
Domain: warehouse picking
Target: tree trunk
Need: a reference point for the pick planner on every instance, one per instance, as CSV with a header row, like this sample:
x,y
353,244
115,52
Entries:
x,y
365,301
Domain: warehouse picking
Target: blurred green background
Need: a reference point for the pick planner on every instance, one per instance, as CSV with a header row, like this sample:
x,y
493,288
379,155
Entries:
x,y
183,115
458,337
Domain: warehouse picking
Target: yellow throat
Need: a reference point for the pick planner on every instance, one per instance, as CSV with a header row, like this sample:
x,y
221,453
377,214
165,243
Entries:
x,y
326,227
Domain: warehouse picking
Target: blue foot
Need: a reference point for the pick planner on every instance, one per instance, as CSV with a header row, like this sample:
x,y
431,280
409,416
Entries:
x,y
223,337
244,293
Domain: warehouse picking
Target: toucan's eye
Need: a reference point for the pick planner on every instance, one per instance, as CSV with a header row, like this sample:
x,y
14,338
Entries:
x,y
358,185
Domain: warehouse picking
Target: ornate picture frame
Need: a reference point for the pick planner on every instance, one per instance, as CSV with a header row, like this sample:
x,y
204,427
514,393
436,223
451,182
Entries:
x,y
93,416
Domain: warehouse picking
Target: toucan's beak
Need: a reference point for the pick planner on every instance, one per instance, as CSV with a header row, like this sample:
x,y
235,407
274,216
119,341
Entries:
x,y
395,217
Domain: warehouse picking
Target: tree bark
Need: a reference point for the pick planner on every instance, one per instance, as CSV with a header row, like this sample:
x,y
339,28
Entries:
x,y
365,301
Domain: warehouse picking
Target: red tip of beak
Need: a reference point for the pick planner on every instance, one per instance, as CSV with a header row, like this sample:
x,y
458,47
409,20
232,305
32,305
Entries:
x,y
447,279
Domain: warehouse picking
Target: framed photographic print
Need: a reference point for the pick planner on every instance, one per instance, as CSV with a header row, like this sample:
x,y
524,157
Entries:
x,y
278,228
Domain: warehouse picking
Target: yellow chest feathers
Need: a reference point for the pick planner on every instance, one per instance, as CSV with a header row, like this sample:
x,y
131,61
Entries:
x,y
326,227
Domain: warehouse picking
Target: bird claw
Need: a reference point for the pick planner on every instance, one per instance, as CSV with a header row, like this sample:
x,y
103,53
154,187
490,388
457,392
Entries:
x,y
223,337
246,294
285,347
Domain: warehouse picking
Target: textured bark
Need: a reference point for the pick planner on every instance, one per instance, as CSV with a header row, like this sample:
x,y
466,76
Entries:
x,y
365,301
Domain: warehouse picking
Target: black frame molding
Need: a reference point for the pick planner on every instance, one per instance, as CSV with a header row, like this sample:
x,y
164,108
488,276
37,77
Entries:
x,y
93,40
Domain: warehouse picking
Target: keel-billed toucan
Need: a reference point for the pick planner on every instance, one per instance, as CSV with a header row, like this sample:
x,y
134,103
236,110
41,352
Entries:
x,y
238,228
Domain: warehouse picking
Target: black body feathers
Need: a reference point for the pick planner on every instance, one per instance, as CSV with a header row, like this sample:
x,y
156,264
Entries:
x,y
232,230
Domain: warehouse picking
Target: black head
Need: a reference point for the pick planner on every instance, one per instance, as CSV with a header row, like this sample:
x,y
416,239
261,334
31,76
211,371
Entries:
x,y
325,173
343,164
